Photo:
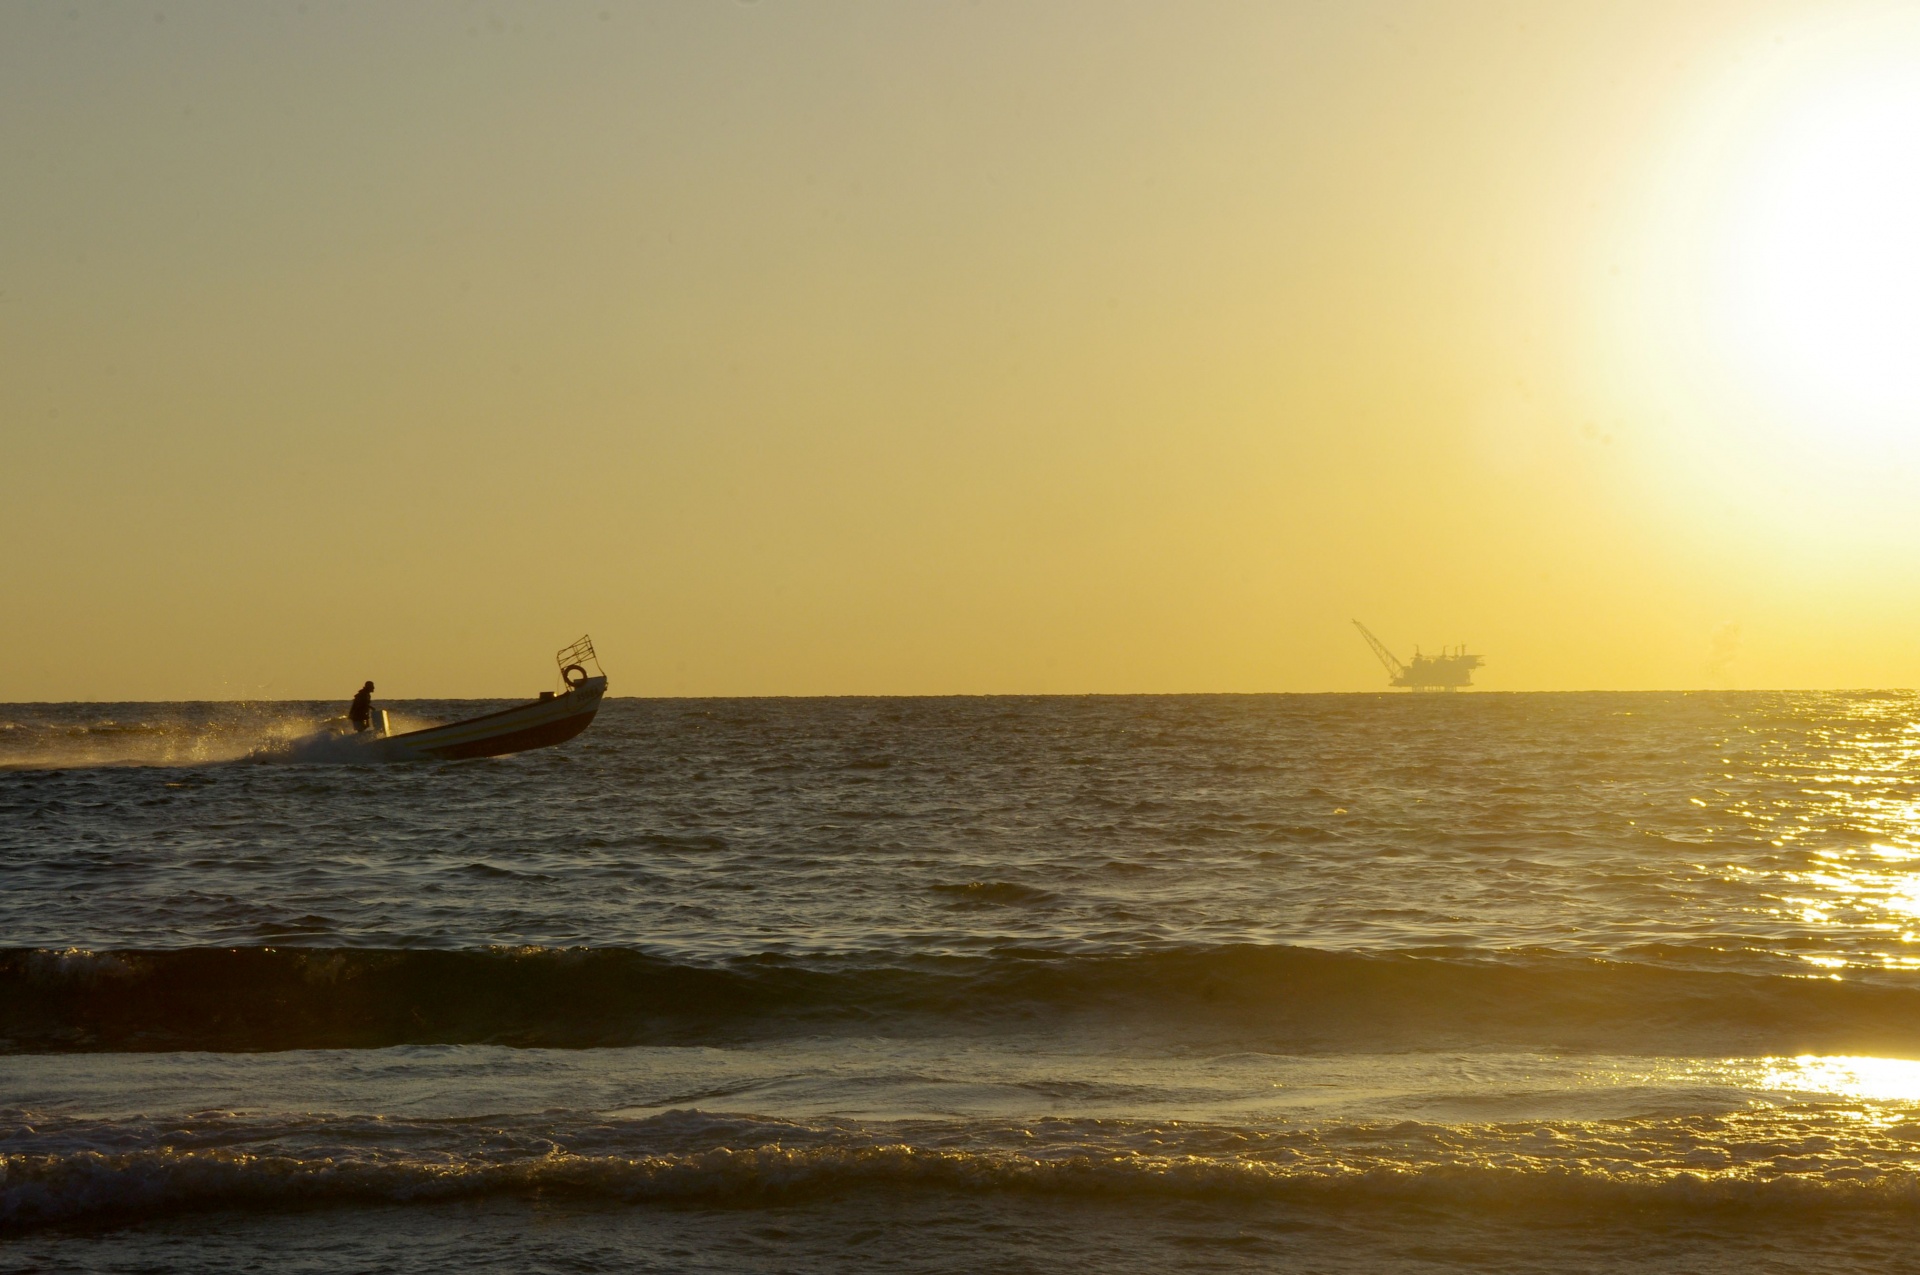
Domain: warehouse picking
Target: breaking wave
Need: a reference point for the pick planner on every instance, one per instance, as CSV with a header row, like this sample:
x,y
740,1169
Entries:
x,y
1805,1161
1275,998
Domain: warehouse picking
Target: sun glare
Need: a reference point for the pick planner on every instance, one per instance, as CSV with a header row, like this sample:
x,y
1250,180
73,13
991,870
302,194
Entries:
x,y
1820,286
1772,311
1872,1079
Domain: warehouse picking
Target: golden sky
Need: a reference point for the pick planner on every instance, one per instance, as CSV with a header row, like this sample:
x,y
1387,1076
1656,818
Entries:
x,y
956,347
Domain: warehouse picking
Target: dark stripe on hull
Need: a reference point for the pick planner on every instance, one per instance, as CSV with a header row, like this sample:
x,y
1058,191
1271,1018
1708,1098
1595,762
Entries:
x,y
518,741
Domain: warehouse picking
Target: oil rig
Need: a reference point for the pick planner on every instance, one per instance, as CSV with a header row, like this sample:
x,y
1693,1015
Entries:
x,y
1448,671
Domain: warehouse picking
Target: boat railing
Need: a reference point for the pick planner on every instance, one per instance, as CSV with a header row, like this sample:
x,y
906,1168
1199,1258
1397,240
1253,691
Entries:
x,y
578,655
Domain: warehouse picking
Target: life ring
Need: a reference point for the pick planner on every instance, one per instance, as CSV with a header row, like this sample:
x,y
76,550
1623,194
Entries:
x,y
567,673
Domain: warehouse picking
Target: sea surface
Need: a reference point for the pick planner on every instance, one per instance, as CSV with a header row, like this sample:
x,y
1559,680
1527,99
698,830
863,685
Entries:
x,y
1607,982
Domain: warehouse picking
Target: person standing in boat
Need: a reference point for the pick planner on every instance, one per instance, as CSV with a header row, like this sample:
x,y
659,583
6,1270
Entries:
x,y
361,713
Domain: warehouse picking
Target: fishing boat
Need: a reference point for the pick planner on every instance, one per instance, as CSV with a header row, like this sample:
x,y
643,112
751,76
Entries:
x,y
554,718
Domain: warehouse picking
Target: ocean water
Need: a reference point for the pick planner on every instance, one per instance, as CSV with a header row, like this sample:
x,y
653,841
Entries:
x,y
1215,983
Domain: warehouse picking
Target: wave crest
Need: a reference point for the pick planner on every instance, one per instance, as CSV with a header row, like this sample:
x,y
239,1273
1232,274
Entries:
x,y
1276,998
1806,1164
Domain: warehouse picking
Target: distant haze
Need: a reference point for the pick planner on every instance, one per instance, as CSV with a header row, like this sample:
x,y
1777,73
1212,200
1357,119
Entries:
x,y
954,347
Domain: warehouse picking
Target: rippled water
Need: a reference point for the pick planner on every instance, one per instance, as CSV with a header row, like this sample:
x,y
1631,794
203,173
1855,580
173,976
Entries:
x,y
1571,982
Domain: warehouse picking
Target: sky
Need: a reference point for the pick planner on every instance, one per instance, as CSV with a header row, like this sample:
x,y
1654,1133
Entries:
x,y
937,348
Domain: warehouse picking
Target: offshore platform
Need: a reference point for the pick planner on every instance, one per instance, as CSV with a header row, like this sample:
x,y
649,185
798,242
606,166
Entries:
x,y
1448,671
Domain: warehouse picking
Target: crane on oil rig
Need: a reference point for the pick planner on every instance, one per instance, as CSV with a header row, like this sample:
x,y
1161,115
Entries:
x,y
1448,671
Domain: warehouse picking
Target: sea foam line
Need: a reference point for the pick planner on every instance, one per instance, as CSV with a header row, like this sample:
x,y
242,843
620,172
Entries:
x,y
1806,1162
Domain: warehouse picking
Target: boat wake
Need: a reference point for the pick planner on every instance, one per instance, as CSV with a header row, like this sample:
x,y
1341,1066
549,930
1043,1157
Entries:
x,y
151,735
